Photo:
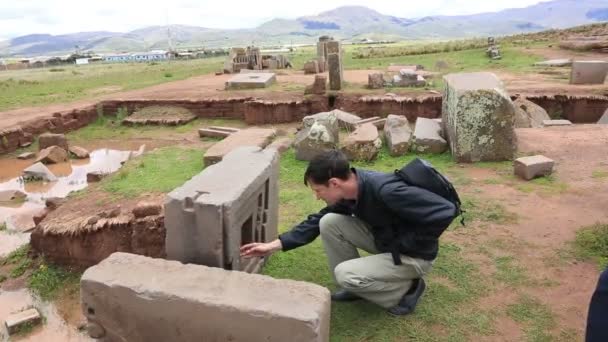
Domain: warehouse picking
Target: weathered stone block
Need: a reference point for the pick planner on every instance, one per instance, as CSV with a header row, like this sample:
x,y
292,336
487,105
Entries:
x,y
52,155
229,204
549,123
79,152
529,114
319,86
363,144
133,298
375,81
27,155
313,140
478,115
328,119
38,172
532,167
588,72
346,120
15,322
427,136
281,144
311,67
334,46
251,81
398,134
49,139
259,137
336,77
604,119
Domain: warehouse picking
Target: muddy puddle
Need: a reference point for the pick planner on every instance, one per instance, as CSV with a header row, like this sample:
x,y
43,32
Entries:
x,y
54,327
72,176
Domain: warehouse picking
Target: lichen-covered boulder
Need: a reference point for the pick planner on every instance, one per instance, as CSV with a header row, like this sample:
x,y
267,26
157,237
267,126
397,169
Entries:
x,y
427,137
363,144
327,119
398,134
313,140
478,115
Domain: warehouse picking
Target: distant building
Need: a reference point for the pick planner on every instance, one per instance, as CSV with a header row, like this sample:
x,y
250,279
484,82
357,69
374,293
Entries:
x,y
155,55
81,61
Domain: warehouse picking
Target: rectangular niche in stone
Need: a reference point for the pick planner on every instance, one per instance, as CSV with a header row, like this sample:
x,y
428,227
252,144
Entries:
x,y
229,204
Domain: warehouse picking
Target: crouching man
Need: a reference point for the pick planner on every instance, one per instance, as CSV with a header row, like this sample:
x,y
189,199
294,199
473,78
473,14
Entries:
x,y
379,213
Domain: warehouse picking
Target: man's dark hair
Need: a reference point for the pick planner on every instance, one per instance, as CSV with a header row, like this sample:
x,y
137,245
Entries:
x,y
326,165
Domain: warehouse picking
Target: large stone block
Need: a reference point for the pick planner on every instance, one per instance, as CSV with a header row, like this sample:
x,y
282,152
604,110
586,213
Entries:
x,y
478,116
52,155
229,204
334,46
311,67
398,134
427,136
251,81
346,120
529,114
259,137
375,80
313,140
532,167
363,144
336,76
327,119
133,298
589,72
604,119
319,86
49,139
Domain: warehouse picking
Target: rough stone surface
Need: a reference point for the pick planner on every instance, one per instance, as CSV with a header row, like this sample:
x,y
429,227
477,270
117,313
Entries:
x,y
427,137
529,114
15,322
549,123
375,120
346,120
321,136
319,86
49,139
336,74
604,119
251,81
564,62
79,152
363,144
532,167
145,209
95,176
11,195
38,172
229,204
27,155
212,133
259,137
589,72
398,134
52,155
311,67
134,298
375,80
327,119
281,144
478,116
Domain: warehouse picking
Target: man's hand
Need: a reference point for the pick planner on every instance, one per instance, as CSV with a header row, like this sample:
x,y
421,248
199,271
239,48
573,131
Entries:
x,y
259,249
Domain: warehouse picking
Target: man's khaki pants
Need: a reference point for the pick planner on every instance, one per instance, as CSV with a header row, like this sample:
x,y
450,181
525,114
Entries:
x,y
375,278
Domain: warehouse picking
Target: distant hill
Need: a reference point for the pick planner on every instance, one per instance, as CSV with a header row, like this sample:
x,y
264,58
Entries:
x,y
350,22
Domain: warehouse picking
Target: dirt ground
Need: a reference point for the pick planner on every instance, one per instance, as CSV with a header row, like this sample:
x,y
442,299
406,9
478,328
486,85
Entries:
x,y
212,86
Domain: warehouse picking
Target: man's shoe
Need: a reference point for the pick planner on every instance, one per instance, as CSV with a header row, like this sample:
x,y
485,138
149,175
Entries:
x,y
408,302
344,296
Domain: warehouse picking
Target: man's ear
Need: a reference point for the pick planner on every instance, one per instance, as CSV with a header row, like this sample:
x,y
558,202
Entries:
x,y
333,182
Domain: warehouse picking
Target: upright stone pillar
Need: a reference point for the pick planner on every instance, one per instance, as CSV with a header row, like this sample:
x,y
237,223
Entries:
x,y
478,115
334,61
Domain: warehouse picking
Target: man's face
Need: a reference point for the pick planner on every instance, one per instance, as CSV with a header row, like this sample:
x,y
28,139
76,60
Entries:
x,y
330,193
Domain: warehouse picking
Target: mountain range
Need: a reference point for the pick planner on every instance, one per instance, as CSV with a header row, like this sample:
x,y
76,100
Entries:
x,y
346,23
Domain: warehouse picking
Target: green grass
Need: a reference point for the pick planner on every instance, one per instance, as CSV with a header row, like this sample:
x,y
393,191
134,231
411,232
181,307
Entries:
x,y
591,243
547,185
454,282
48,281
536,317
486,211
159,171
599,174
2,227
508,272
19,261
33,87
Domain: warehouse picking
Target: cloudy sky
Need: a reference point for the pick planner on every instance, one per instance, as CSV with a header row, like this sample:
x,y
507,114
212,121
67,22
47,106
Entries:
x,y
20,17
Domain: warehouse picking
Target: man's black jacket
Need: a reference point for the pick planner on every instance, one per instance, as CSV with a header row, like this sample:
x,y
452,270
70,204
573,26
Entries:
x,y
404,219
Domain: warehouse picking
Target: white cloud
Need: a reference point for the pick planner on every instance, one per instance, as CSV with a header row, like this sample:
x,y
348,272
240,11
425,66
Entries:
x,y
68,16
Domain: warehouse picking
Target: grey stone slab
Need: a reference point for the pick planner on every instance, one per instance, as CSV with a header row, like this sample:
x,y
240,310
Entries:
x,y
336,75
533,166
398,134
375,80
15,322
563,62
212,133
604,119
259,137
346,120
550,123
251,81
427,137
39,172
313,140
478,116
363,144
328,119
133,298
229,204
529,114
589,72
50,139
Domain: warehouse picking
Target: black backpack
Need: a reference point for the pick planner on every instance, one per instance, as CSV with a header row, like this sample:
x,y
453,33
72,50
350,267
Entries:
x,y
422,174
